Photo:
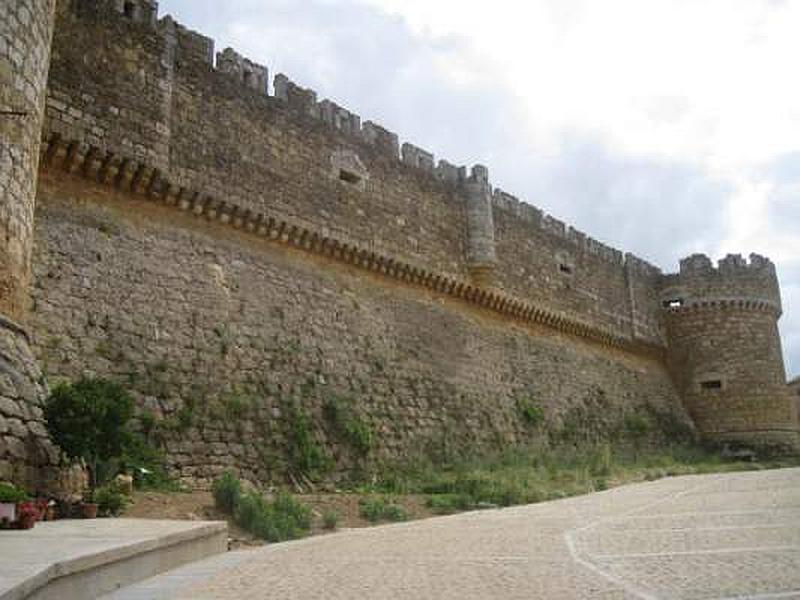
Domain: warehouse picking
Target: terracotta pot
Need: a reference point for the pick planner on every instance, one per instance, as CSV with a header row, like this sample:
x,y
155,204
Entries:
x,y
26,521
89,510
50,514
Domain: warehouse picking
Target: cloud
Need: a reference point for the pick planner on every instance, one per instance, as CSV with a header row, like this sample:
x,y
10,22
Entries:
x,y
649,203
664,127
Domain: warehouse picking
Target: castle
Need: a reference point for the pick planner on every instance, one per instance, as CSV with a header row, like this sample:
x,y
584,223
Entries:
x,y
239,259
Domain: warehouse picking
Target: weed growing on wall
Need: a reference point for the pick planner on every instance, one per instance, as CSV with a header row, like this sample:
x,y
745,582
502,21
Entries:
x,y
348,425
306,455
530,413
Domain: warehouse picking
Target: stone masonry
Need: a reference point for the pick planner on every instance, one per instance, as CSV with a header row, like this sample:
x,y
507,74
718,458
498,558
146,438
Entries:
x,y
26,454
243,259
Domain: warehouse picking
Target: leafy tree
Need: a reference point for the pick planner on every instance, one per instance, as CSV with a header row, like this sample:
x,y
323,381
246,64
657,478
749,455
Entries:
x,y
89,420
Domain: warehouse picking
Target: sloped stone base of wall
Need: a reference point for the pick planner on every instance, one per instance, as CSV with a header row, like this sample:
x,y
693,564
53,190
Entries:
x,y
28,457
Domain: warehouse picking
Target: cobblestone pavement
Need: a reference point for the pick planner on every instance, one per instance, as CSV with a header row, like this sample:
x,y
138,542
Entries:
x,y
697,537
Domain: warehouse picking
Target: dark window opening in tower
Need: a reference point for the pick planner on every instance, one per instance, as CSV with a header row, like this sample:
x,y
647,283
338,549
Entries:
x,y
129,10
714,384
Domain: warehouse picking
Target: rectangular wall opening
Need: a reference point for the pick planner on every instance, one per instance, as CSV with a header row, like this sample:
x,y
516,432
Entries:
x,y
349,177
711,384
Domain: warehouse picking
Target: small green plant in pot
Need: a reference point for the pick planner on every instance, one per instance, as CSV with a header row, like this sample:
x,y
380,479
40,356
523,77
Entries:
x,y
10,497
89,421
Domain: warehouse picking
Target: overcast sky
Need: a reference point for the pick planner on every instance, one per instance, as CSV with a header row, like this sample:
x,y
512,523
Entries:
x,y
664,127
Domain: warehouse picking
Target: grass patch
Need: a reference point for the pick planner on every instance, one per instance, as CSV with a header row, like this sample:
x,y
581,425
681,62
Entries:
x,y
379,508
281,519
543,473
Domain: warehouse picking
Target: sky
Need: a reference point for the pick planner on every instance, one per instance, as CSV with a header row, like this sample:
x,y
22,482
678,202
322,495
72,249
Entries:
x,y
662,128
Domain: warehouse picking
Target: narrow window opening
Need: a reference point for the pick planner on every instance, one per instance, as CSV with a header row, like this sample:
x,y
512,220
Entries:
x,y
673,303
248,78
129,10
564,268
713,384
349,177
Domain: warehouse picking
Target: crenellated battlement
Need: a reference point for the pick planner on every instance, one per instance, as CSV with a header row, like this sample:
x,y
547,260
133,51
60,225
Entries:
x,y
196,49
144,12
732,265
246,72
734,281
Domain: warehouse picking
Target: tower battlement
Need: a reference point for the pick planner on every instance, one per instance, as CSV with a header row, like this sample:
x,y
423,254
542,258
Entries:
x,y
734,281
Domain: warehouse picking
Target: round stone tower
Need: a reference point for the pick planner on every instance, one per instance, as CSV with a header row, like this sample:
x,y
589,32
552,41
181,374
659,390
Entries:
x,y
26,28
725,351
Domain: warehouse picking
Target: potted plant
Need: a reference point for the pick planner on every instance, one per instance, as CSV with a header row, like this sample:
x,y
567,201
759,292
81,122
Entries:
x,y
41,508
27,515
89,509
50,514
10,496
89,421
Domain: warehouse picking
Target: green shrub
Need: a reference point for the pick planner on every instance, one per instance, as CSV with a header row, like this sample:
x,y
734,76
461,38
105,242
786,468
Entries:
x,y
89,420
377,508
299,513
147,422
110,500
11,494
278,521
395,512
249,509
372,508
148,464
445,504
330,520
227,491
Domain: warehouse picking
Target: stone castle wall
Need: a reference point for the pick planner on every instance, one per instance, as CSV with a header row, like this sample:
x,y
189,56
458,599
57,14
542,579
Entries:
x,y
794,392
245,260
222,334
146,102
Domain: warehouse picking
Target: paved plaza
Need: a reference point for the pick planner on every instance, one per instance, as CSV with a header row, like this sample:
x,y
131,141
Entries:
x,y
712,536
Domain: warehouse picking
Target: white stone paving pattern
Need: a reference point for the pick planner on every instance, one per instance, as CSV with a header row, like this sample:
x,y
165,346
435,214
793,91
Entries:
x,y
729,536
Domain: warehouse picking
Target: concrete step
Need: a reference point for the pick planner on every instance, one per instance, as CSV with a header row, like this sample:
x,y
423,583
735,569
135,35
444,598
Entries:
x,y
179,582
61,560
